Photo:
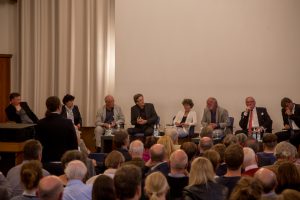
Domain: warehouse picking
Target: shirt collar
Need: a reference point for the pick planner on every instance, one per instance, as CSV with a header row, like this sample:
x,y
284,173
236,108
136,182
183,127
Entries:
x,y
74,182
31,193
254,166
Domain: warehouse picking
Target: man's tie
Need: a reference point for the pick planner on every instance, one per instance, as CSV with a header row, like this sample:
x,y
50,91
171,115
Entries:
x,y
250,123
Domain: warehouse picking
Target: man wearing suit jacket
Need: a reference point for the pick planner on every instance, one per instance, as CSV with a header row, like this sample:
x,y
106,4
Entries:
x,y
56,133
71,111
143,116
18,111
255,118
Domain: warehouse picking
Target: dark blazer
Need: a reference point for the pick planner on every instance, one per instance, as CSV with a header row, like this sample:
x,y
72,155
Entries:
x,y
150,114
57,135
263,119
76,113
11,113
295,117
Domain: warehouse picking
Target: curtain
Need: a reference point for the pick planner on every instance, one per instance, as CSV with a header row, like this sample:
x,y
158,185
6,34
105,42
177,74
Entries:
x,y
67,46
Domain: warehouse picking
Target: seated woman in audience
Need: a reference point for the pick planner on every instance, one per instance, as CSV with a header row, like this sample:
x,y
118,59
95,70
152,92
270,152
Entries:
x,y
289,194
31,173
191,150
288,177
185,118
202,184
167,142
103,188
150,141
247,188
156,186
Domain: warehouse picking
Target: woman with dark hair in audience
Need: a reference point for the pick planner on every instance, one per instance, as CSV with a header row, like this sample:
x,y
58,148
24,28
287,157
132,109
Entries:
x,y
150,141
288,177
191,150
103,188
202,184
156,186
31,173
71,111
247,188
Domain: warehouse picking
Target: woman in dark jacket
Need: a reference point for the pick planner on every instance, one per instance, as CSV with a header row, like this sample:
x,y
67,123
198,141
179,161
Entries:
x,y
71,111
202,183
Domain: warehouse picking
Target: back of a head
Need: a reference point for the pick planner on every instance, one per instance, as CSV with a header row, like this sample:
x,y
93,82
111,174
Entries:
x,y
120,139
220,148
157,153
206,132
214,157
136,149
249,157
247,188
52,104
178,160
230,139
167,142
156,185
253,144
201,172
289,194
285,151
172,133
114,159
103,188
127,180
32,150
205,143
267,178
50,188
31,173
71,155
190,148
150,141
288,174
269,140
242,138
76,169
234,157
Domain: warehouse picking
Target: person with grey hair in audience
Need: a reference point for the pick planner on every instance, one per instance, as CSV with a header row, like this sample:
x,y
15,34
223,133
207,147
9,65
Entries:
x,y
172,133
158,160
50,188
76,172
32,150
178,176
250,162
136,150
5,189
269,182
205,143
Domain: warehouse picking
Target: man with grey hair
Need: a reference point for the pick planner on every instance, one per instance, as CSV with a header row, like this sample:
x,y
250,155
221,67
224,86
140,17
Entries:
x,y
136,150
177,178
158,160
269,182
76,172
205,143
109,118
50,188
250,163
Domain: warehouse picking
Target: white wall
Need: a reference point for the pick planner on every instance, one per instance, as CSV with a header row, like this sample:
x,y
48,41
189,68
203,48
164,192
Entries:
x,y
172,49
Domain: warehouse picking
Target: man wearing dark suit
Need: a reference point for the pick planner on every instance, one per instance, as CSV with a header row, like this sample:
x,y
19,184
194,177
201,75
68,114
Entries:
x,y
18,111
71,111
56,133
143,116
255,118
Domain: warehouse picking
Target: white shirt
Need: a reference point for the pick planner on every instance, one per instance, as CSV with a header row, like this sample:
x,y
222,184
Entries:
x,y
255,123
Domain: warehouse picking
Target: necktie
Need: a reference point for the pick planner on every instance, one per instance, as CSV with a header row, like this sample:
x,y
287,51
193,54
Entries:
x,y
250,123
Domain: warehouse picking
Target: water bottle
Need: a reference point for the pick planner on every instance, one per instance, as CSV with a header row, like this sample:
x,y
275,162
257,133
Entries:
x,y
118,127
156,132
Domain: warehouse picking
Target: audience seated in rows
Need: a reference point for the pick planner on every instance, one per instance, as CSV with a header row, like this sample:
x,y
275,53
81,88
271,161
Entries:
x,y
156,186
230,139
150,141
167,142
205,144
103,188
172,133
191,150
267,156
50,188
288,177
289,194
250,163
158,161
136,149
247,188
214,157
222,168
268,181
121,141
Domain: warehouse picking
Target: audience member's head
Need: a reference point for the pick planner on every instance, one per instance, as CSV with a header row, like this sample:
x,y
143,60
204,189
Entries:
x,y
253,144
289,194
172,133
136,149
285,151
32,150
127,181
15,98
249,157
230,139
167,142
220,148
156,186
71,155
267,178
114,159
201,172
191,150
50,188
207,132
242,138
76,169
178,161
4,194
53,104
214,157
288,177
121,139
205,144
157,153
150,141
103,188
234,157
247,188
31,173
269,141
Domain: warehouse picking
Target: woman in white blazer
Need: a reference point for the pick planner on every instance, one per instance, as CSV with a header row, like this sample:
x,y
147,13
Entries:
x,y
185,118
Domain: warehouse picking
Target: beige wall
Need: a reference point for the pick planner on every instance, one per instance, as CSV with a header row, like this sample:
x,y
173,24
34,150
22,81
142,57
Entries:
x,y
9,37
172,49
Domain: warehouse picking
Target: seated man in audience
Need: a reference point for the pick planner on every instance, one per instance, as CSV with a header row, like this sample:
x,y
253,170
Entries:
x,y
214,117
57,135
267,156
143,117
76,189
205,143
121,141
234,157
254,119
269,182
32,150
250,163
291,120
222,168
128,182
158,160
18,111
136,150
178,176
50,188
109,118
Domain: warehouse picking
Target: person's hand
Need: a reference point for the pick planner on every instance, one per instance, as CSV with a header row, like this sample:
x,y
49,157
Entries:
x,y
78,126
248,109
213,125
288,112
106,125
113,124
287,126
143,122
177,124
18,107
185,125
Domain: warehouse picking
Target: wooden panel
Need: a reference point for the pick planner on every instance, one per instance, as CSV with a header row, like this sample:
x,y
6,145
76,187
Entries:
x,y
5,84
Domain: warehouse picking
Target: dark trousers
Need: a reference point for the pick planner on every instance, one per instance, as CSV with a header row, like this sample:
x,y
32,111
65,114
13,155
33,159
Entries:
x,y
286,135
147,130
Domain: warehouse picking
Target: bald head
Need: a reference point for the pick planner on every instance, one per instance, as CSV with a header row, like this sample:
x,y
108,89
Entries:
x,y
267,178
50,188
157,153
249,157
205,143
109,101
178,160
136,149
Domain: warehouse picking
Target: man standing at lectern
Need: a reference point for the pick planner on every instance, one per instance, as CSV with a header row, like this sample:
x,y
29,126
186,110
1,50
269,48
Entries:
x,y
18,111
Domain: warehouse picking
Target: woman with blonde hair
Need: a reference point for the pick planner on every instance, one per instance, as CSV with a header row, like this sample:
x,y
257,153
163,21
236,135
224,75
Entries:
x,y
156,186
202,184
167,142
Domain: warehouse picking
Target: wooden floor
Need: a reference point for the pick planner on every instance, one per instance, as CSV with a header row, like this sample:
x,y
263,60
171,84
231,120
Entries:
x,y
88,137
